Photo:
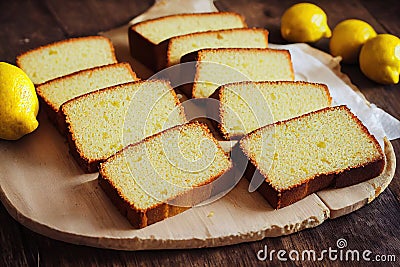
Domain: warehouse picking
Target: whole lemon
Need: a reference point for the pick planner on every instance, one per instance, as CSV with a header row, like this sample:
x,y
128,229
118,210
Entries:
x,y
304,22
19,104
380,59
348,37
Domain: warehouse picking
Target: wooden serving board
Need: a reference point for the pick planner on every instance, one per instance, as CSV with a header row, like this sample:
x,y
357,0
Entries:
x,y
44,189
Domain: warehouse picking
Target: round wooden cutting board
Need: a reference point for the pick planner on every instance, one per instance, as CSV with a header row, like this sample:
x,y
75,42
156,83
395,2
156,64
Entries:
x,y
44,189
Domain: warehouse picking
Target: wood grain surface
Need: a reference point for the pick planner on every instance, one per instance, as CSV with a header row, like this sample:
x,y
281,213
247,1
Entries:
x,y
28,24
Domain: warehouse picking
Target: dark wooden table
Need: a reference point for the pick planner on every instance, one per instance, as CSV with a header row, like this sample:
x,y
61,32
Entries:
x,y
375,227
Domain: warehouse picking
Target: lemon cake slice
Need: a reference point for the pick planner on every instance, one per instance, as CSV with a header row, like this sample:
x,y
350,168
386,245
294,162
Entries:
x,y
64,57
102,122
246,106
220,66
164,174
231,38
58,91
299,156
148,40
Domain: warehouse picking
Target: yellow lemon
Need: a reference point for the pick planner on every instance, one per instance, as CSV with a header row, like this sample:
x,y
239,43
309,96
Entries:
x,y
380,59
304,22
19,103
348,37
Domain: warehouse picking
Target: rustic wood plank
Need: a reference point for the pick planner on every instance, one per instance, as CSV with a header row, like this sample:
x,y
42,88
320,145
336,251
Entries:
x,y
12,251
79,18
365,229
351,227
395,184
386,12
375,217
25,25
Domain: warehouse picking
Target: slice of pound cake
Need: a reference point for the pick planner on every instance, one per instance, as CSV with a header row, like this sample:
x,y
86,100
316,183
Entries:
x,y
220,66
231,38
148,39
246,106
58,91
296,157
164,174
64,57
102,122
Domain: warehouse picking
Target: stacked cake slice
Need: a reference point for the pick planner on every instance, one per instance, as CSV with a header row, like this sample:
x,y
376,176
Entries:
x,y
64,57
231,38
58,91
245,106
102,122
164,174
220,66
148,40
299,156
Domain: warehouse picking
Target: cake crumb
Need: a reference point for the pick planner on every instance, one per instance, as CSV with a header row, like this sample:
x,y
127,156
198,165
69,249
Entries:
x,y
24,40
210,214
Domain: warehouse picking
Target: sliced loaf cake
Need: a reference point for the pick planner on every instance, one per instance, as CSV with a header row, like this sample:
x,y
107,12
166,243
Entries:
x,y
58,91
148,40
296,157
231,38
102,122
67,56
164,174
220,66
246,106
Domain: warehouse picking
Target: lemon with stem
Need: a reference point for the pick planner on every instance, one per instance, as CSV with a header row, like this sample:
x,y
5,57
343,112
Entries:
x,y
304,22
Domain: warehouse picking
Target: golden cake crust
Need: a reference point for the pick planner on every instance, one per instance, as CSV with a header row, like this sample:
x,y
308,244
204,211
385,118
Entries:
x,y
140,218
154,55
279,198
218,94
20,57
50,108
216,33
188,15
197,56
91,165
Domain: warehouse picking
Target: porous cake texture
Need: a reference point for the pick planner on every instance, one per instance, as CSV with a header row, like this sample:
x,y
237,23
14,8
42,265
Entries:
x,y
299,156
58,91
246,106
220,66
231,38
67,56
148,40
102,122
164,174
